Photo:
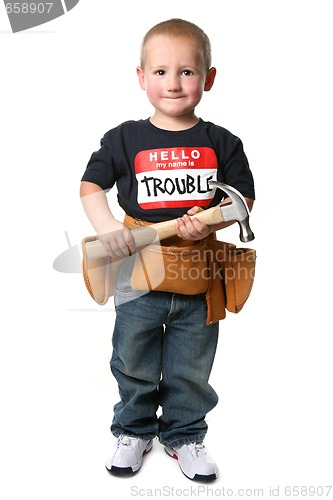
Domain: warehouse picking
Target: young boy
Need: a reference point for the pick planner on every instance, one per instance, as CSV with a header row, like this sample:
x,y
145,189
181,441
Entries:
x,y
163,350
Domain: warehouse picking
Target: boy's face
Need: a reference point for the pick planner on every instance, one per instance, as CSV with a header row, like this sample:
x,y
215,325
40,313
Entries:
x,y
174,76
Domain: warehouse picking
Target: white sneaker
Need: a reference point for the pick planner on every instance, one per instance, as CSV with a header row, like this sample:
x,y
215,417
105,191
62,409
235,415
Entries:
x,y
194,462
128,456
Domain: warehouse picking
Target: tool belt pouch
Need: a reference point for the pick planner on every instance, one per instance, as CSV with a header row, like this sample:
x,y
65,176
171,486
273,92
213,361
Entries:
x,y
219,269
171,269
236,267
178,266
97,274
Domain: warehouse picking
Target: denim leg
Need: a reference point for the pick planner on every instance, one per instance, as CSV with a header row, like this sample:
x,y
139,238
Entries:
x,y
163,353
189,347
136,362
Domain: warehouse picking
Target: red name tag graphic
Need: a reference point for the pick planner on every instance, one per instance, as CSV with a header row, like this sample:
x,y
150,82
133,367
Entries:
x,y
175,177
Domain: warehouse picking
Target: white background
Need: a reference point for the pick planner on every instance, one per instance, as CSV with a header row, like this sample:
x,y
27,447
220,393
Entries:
x,y
63,85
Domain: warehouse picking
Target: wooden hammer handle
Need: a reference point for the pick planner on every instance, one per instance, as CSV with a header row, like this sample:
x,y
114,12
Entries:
x,y
156,232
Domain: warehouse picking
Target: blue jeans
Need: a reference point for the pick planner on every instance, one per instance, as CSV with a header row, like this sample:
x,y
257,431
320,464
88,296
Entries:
x,y
163,353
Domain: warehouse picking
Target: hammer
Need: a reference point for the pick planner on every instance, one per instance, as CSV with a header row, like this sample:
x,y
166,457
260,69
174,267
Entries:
x,y
237,210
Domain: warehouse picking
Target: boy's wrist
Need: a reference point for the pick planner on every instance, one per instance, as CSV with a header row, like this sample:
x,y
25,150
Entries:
x,y
108,226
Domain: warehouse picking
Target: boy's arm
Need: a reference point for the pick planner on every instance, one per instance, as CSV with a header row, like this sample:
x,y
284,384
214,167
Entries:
x,y
192,229
115,237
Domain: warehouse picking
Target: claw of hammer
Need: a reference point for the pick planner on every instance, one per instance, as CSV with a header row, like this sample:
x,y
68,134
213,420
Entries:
x,y
237,210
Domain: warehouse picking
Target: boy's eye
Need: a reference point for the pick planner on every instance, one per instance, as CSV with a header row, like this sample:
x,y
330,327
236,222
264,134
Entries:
x,y
187,72
160,72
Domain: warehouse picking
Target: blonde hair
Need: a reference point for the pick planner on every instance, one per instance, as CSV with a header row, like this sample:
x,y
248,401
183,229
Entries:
x,y
180,28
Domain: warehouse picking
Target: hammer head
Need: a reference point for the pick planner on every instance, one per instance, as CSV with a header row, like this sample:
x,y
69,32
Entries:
x,y
237,210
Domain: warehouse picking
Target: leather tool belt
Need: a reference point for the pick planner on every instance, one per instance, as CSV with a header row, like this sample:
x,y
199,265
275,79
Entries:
x,y
218,269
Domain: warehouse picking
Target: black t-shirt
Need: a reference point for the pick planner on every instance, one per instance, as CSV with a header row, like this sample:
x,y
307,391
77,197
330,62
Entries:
x,y
160,174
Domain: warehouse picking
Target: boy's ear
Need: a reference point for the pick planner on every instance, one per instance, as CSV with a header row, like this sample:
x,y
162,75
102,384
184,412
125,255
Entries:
x,y
210,77
139,72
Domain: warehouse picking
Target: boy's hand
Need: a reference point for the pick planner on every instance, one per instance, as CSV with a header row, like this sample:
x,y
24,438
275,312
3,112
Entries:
x,y
191,228
115,237
117,240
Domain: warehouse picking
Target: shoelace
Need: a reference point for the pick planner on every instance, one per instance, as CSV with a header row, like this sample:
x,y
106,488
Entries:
x,y
124,441
197,448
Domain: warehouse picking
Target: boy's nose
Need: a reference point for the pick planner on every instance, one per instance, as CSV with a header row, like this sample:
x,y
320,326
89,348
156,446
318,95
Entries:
x,y
173,84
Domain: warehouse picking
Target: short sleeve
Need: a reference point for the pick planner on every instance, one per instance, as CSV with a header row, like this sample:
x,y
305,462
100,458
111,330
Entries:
x,y
100,168
236,170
